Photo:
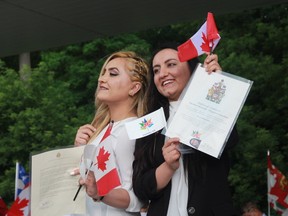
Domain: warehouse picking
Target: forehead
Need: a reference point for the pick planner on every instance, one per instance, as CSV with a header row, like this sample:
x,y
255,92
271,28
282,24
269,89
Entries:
x,y
165,55
117,63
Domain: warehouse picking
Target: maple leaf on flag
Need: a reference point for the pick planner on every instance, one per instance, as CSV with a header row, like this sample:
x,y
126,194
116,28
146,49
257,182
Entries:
x,y
149,123
17,207
145,124
203,41
102,157
205,44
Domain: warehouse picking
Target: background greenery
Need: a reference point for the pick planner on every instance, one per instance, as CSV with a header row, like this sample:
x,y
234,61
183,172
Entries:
x,y
42,107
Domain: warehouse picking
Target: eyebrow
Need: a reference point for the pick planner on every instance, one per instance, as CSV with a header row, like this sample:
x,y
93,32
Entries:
x,y
111,69
171,59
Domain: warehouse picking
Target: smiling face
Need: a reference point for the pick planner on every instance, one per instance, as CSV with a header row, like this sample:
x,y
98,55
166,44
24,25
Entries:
x,y
114,83
170,75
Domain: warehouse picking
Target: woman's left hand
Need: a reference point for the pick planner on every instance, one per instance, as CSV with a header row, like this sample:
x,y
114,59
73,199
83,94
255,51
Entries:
x,y
211,63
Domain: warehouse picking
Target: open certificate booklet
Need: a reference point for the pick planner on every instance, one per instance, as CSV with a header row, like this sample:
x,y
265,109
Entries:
x,y
208,110
52,186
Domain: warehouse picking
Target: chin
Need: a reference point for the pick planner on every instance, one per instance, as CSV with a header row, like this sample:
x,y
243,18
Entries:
x,y
101,98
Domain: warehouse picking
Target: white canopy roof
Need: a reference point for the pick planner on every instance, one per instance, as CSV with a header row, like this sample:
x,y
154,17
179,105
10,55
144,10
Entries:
x,y
32,25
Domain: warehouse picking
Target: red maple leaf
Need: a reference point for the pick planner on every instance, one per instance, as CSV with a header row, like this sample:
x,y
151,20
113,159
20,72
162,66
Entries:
x,y
205,44
17,206
102,157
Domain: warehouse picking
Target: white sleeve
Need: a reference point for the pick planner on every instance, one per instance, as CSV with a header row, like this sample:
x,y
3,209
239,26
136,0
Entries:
x,y
124,155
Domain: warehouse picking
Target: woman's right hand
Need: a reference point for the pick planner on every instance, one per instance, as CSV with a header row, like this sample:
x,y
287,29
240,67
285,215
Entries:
x,y
211,63
84,134
171,153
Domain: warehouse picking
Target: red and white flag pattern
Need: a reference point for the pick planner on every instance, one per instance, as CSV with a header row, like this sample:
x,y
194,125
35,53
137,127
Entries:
x,y
21,206
105,169
277,188
204,41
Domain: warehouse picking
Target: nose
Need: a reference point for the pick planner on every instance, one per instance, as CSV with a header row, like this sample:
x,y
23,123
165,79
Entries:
x,y
163,72
102,78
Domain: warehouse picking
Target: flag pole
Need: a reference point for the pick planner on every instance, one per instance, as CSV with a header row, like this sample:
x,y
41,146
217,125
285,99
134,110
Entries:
x,y
211,47
268,155
16,180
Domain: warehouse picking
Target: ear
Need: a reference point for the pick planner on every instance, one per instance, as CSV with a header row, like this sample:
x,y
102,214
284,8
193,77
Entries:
x,y
136,86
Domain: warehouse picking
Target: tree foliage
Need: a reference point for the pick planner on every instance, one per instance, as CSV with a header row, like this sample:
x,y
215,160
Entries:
x,y
45,110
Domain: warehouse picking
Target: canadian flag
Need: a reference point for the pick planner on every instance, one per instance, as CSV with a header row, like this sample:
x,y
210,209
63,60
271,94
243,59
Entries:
x,y
105,168
277,188
21,206
204,41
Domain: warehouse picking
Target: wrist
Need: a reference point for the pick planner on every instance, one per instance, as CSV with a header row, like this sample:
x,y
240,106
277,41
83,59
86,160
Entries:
x,y
170,167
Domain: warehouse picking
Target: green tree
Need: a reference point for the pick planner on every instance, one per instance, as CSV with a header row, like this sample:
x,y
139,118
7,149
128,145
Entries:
x,y
45,111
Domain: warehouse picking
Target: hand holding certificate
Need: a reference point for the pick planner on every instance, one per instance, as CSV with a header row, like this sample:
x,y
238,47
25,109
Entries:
x,y
209,110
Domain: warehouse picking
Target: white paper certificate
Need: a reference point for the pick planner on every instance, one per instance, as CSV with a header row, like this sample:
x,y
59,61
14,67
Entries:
x,y
52,186
209,110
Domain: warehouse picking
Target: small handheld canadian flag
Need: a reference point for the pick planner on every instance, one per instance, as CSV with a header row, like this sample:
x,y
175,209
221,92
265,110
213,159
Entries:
x,y
204,41
105,169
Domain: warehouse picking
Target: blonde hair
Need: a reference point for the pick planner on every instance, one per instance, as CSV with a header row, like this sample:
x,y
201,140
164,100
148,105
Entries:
x,y
138,69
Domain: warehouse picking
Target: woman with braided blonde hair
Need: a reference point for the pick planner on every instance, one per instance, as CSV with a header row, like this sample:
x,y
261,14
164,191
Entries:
x,y
120,97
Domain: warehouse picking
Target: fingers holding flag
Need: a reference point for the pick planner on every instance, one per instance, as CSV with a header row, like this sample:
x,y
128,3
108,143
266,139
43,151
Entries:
x,y
211,63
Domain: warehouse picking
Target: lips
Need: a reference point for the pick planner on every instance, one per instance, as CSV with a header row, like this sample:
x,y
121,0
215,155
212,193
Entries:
x,y
166,82
102,88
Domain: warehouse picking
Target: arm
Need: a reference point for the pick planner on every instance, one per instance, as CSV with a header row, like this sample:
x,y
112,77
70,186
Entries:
x,y
150,177
83,135
124,150
123,196
117,198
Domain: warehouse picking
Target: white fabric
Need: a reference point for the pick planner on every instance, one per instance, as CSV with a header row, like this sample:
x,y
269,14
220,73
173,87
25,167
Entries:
x,y
123,150
146,125
179,191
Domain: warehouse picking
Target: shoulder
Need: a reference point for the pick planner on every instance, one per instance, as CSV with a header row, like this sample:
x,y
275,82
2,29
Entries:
x,y
119,128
